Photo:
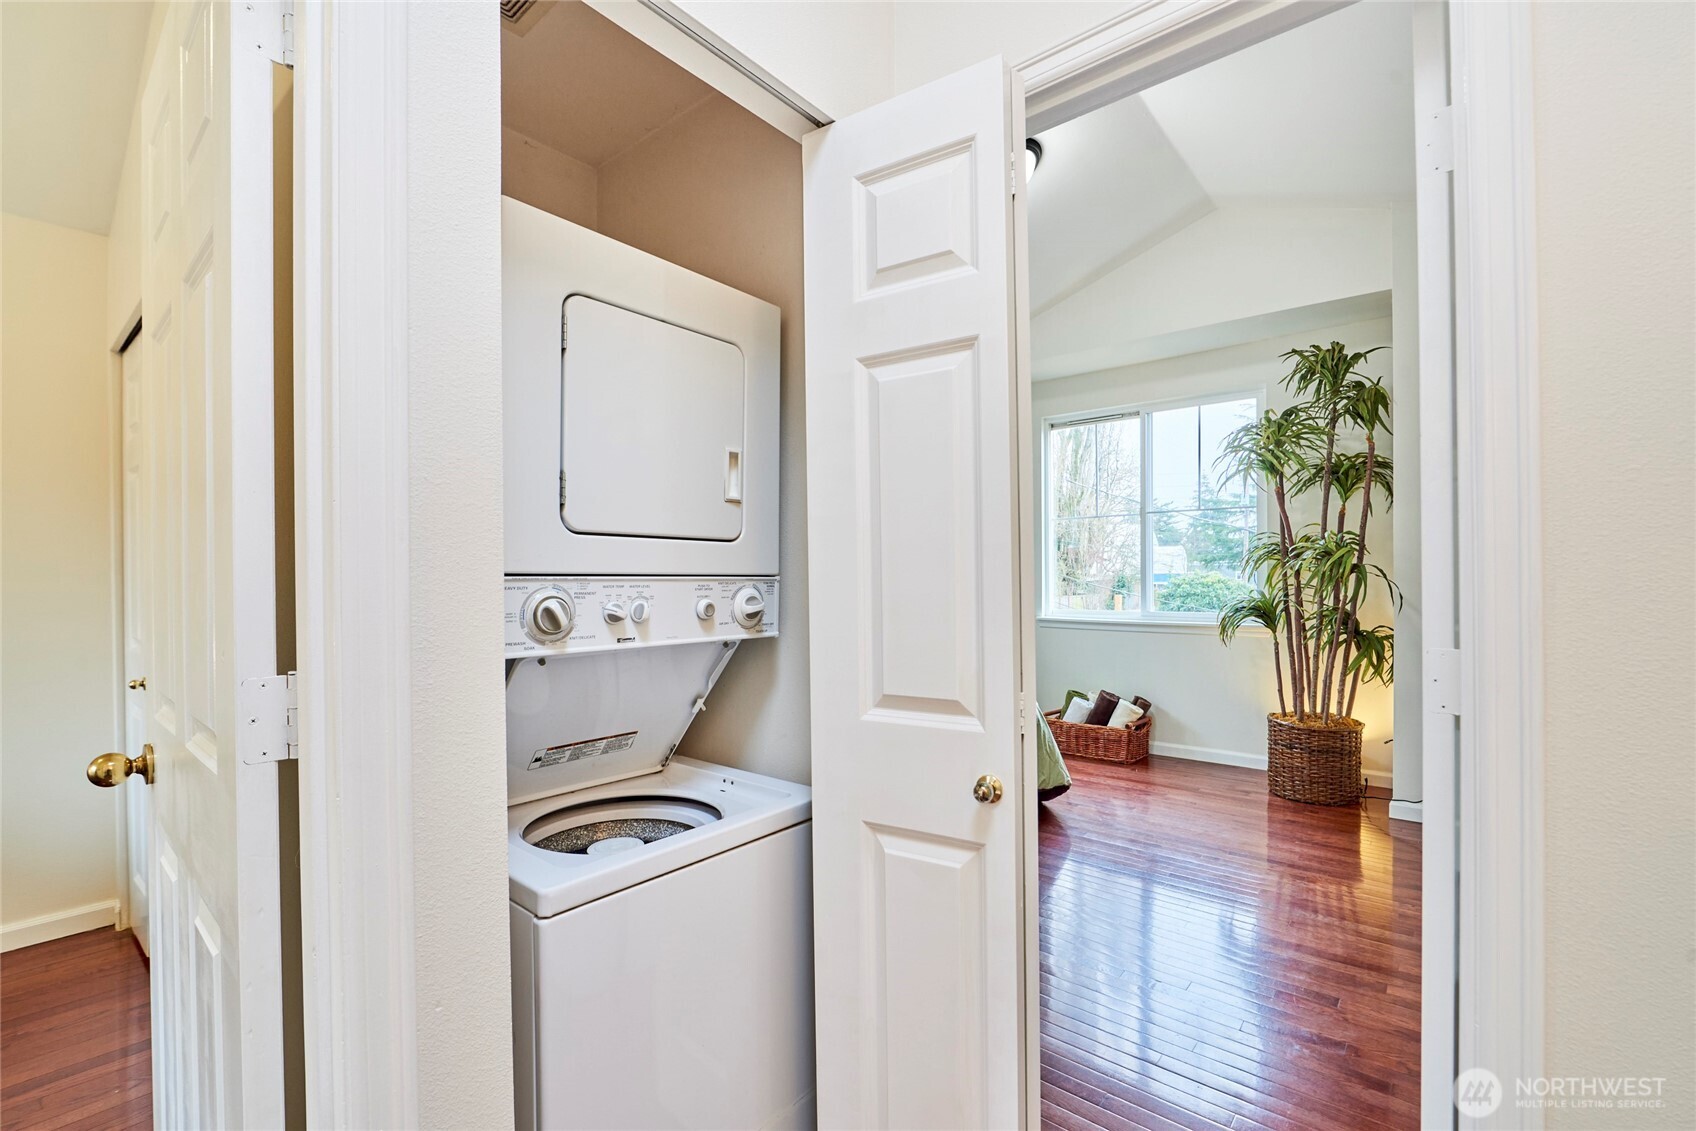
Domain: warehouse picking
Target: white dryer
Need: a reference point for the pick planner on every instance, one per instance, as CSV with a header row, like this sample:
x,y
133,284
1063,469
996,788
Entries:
x,y
641,410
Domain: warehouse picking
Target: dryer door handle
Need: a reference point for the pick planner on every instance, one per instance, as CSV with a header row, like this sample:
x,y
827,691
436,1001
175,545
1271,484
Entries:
x,y
732,475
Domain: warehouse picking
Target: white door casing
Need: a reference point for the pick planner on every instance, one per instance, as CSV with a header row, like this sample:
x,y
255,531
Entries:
x,y
208,514
914,543
137,798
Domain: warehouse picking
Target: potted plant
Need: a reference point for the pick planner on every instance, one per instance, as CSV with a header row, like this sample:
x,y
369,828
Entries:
x,y
1312,577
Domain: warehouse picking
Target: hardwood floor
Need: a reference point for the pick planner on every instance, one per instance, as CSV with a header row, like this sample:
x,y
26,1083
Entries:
x,y
75,1034
1213,957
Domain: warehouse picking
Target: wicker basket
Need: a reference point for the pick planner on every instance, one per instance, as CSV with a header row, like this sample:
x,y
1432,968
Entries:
x,y
1314,763
1106,744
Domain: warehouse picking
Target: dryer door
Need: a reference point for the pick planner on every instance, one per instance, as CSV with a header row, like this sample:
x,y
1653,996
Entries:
x,y
652,426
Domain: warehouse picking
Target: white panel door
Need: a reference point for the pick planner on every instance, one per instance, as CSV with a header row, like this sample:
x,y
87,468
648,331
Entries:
x,y
914,399
138,808
208,521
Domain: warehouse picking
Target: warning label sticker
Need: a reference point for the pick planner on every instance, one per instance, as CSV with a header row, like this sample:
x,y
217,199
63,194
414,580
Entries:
x,y
586,748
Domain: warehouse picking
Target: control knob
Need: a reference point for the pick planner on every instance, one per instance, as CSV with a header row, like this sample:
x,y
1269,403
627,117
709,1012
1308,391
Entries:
x,y
749,607
639,610
550,617
613,611
705,609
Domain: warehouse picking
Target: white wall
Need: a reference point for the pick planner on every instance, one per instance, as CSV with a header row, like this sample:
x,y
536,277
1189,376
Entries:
x,y
1210,700
58,584
1233,265
1616,248
461,959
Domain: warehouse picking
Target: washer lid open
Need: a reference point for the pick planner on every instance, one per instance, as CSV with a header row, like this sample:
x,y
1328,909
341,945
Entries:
x,y
577,721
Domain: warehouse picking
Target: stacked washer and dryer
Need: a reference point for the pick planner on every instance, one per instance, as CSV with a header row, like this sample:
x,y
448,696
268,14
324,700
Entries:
x,y
661,906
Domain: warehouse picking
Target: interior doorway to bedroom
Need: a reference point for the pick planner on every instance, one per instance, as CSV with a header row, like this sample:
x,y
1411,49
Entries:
x,y
1225,359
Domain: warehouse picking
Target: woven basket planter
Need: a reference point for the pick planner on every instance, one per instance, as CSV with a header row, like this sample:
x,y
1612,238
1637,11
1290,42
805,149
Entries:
x,y
1104,744
1314,763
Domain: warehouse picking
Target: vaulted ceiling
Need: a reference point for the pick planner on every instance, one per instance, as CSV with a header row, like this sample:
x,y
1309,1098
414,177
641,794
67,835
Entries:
x,y
68,78
1319,115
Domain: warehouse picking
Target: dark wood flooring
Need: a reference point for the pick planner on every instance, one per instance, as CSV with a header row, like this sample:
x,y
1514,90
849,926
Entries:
x,y
1213,957
76,1034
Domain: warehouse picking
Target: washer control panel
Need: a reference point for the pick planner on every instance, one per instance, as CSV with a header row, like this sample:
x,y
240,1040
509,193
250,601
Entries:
x,y
551,615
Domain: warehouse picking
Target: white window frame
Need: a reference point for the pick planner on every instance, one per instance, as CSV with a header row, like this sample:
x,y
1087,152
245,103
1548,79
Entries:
x,y
1147,617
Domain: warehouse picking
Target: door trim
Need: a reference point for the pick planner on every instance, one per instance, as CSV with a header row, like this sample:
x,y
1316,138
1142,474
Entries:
x,y
1491,901
352,501
1499,528
1148,44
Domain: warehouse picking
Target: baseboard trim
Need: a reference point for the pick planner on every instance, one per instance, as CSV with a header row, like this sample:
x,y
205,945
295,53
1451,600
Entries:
x,y
46,928
1408,811
1209,754
1246,761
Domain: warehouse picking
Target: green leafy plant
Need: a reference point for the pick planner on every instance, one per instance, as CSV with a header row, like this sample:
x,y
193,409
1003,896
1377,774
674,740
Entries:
x,y
1200,593
1311,581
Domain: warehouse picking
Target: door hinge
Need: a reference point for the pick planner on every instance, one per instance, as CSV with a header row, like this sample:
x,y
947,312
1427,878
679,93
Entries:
x,y
287,52
562,490
1024,715
1442,681
268,707
1013,160
1437,141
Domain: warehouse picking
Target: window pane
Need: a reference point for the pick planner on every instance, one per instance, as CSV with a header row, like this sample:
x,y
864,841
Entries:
x,y
1176,460
1096,564
1096,468
1218,420
1198,558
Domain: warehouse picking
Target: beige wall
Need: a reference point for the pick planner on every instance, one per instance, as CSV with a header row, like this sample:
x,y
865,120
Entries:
x,y
460,956
545,178
1616,182
58,583
719,191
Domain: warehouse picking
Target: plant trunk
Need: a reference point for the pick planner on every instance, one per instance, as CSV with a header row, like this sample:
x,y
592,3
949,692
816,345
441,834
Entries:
x,y
1359,593
1336,629
1291,608
1278,674
1322,692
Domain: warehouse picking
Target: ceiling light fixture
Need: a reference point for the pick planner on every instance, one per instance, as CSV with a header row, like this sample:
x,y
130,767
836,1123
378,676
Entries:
x,y
1033,156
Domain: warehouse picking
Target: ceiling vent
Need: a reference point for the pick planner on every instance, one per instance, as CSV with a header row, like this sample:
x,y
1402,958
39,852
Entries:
x,y
521,15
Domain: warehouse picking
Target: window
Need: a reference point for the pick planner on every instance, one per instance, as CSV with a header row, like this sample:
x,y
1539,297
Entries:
x,y
1138,525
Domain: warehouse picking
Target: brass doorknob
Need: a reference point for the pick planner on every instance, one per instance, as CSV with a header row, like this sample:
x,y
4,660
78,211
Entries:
x,y
988,789
115,769
138,684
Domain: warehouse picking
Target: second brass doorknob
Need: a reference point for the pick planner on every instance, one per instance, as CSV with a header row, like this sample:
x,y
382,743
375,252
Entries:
x,y
987,790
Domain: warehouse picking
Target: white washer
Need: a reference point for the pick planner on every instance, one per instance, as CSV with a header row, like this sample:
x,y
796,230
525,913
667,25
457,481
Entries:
x,y
666,984
661,907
